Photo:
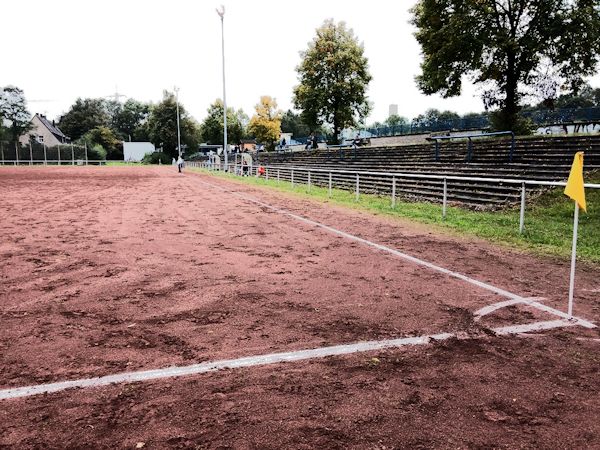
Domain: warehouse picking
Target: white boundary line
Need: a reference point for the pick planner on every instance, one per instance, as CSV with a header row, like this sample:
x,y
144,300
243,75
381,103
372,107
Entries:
x,y
262,360
486,286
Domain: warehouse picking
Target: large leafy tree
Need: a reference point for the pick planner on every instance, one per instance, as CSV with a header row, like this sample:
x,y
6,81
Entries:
x,y
506,46
265,125
13,113
83,116
334,76
162,126
128,118
212,126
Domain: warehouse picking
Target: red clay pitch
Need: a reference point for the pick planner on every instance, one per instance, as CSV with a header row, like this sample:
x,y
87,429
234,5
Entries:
x,y
107,270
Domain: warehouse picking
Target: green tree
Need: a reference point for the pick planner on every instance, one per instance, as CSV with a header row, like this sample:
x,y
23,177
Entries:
x,y
265,125
292,122
104,142
14,113
130,117
376,125
433,117
334,76
504,46
585,97
212,126
83,116
395,120
162,126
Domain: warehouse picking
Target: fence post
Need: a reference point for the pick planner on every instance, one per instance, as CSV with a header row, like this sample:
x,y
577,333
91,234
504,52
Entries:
x,y
2,151
292,178
278,175
58,154
357,187
393,192
86,155
17,153
72,155
445,200
329,185
309,180
512,148
522,215
469,150
267,173
30,154
45,156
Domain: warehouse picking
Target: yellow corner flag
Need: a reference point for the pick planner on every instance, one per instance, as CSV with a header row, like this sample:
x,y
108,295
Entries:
x,y
574,188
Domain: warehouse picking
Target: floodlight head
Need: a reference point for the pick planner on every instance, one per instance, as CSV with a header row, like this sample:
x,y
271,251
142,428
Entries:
x,y
221,11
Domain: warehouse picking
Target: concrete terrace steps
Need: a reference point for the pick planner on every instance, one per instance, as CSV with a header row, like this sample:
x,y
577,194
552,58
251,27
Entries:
x,y
547,159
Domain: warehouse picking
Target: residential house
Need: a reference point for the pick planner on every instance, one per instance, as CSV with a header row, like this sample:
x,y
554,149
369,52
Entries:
x,y
45,132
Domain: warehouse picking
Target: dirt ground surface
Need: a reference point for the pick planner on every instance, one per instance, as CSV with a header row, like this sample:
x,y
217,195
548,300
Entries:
x,y
106,270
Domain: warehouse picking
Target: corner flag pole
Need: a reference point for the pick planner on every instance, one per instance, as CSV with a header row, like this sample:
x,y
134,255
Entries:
x,y
573,259
576,190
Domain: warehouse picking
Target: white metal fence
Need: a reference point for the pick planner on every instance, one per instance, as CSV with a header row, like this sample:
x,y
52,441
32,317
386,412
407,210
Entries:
x,y
305,175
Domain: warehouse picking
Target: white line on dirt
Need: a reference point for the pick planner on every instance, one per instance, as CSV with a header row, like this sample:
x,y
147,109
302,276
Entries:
x,y
261,360
514,297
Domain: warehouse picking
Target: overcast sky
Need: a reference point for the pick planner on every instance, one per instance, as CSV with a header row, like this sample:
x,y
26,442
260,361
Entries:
x,y
59,50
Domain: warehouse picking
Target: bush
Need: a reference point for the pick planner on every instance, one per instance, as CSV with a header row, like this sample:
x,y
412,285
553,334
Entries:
x,y
97,152
154,158
502,121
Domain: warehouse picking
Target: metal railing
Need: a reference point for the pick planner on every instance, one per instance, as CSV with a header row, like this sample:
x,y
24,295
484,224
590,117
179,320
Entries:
x,y
470,143
276,172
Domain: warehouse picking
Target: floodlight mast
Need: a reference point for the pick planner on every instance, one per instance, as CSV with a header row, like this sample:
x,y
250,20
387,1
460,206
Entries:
x,y
176,89
221,13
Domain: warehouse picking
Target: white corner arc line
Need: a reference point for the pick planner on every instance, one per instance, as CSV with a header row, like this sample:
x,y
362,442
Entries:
x,y
486,286
260,360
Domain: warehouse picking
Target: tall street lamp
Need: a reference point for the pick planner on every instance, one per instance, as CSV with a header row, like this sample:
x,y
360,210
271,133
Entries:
x,y
221,13
178,128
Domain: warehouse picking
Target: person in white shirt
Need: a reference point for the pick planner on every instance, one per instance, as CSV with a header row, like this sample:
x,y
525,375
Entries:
x,y
180,163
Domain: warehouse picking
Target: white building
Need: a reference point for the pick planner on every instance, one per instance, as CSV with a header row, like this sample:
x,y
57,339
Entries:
x,y
135,151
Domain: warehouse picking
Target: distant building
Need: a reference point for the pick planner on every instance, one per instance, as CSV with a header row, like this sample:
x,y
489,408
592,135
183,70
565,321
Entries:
x,y
393,110
135,151
248,145
44,132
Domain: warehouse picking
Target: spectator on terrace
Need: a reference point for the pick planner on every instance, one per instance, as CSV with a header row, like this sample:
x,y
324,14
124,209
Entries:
x,y
309,141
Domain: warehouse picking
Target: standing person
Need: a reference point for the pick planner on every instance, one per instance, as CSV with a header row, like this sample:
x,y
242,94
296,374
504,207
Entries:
x,y
180,163
315,143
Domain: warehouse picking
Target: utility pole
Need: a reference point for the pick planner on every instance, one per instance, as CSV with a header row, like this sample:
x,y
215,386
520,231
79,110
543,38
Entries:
x,y
221,13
